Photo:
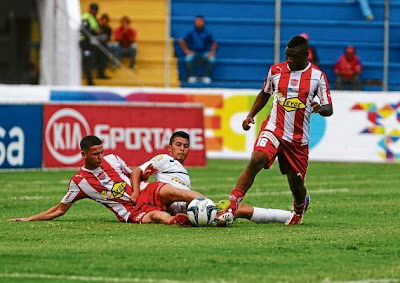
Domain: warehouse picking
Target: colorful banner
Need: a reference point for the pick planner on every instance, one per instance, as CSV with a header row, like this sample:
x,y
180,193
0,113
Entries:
x,y
20,136
336,138
364,127
135,132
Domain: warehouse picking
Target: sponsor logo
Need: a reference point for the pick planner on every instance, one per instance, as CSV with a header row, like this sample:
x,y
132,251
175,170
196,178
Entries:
x,y
290,104
64,131
117,191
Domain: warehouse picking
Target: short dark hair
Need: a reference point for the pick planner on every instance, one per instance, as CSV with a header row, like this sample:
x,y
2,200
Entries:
x,y
94,7
298,42
89,141
181,134
126,18
105,16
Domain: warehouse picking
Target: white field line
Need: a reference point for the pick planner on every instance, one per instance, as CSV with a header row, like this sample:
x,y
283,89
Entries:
x,y
93,278
288,192
46,182
385,280
32,197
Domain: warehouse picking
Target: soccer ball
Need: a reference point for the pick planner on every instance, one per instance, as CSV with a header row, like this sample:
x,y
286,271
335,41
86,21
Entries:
x,y
202,211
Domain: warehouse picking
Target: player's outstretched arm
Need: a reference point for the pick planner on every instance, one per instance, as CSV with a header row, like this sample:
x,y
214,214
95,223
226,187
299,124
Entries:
x,y
135,181
261,100
54,212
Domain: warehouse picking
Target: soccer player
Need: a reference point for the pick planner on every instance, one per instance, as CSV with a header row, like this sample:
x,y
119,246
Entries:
x,y
168,168
295,85
106,179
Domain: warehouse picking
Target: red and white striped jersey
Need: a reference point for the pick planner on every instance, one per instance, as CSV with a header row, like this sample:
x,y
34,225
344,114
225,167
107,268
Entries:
x,y
109,185
293,93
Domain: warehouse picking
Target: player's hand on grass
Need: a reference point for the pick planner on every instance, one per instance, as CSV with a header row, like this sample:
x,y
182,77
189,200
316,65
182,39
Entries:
x,y
316,107
19,219
246,123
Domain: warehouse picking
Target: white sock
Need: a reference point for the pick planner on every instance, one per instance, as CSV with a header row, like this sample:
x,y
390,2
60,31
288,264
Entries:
x,y
265,215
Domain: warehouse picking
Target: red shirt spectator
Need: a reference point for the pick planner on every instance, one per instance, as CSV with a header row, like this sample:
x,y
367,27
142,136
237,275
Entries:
x,y
349,64
125,34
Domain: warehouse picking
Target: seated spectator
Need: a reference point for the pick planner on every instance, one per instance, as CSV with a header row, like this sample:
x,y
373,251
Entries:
x,y
125,43
102,54
312,53
200,47
348,69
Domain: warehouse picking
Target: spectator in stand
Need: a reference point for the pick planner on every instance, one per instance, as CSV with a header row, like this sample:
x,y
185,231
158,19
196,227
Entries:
x,y
125,42
102,54
89,31
200,47
312,53
348,69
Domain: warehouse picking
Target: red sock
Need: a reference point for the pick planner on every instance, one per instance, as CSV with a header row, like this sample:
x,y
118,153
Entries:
x,y
235,198
173,221
298,208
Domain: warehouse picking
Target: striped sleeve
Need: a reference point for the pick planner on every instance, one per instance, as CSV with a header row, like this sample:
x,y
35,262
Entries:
x,y
324,93
125,168
74,193
268,84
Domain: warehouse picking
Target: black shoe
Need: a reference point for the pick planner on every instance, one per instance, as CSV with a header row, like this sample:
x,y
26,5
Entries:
x,y
104,77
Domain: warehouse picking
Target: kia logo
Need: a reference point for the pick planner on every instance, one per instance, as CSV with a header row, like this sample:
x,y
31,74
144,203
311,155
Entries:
x,y
64,131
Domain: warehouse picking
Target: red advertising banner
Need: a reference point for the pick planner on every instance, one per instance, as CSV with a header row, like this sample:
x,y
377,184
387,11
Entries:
x,y
135,132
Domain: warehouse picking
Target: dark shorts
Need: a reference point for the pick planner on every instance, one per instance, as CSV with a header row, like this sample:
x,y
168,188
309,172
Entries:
x,y
149,200
291,156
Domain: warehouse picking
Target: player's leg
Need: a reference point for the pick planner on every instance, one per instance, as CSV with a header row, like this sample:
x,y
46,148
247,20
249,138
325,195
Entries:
x,y
293,161
170,194
296,184
262,215
157,216
265,151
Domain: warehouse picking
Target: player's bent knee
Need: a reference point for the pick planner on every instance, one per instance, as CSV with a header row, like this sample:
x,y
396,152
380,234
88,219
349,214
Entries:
x,y
258,160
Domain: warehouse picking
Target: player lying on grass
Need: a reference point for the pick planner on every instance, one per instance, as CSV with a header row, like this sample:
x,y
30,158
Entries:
x,y
168,168
106,179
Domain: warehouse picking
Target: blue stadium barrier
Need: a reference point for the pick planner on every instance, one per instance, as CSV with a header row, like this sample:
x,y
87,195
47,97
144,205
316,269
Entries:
x,y
331,24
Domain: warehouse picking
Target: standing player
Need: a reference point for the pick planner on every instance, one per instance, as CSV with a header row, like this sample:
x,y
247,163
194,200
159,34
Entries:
x,y
168,168
284,134
105,179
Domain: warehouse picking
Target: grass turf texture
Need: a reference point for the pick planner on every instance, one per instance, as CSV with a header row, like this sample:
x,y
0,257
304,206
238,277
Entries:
x,y
350,232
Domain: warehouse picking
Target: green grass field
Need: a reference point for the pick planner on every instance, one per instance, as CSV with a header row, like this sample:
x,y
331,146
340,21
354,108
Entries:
x,y
351,232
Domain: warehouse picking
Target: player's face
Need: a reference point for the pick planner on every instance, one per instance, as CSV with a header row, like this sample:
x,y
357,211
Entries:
x,y
93,157
296,58
179,149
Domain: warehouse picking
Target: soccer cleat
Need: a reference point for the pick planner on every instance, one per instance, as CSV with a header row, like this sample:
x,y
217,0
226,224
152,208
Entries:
x,y
296,218
181,219
225,217
223,205
307,202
